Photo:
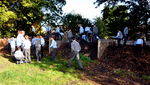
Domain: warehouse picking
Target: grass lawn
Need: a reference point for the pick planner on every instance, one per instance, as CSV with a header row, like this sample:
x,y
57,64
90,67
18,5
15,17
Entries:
x,y
42,73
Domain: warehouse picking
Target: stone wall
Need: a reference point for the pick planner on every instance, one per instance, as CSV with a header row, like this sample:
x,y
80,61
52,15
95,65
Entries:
x,y
102,46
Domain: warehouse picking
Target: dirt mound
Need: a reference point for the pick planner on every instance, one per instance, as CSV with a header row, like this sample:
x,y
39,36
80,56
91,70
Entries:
x,y
121,66
129,58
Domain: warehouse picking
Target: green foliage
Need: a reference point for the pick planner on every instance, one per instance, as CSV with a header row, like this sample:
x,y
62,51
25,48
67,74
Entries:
x,y
72,20
146,77
115,18
124,73
118,13
23,13
102,27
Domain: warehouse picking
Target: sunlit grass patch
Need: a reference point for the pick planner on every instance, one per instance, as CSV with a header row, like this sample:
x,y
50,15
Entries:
x,y
45,72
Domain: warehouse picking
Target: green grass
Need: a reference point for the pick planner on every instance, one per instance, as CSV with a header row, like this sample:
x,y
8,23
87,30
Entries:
x,y
146,77
43,73
124,73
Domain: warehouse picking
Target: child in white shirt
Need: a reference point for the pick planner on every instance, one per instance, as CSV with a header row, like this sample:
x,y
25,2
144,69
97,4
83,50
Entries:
x,y
19,56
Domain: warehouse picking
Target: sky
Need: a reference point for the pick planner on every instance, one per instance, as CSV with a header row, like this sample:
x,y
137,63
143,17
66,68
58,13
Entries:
x,y
84,7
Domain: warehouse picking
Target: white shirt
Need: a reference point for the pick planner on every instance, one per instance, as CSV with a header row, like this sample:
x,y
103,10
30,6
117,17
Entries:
x,y
33,41
58,29
119,35
87,29
33,29
84,37
20,39
81,30
42,41
53,44
125,31
19,54
75,46
27,44
48,28
13,44
139,42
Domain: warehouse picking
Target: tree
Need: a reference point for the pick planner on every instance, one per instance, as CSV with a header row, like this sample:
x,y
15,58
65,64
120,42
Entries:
x,y
23,13
115,18
72,20
138,10
103,30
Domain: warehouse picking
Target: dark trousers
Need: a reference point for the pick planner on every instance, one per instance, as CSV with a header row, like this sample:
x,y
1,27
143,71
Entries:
x,y
33,51
73,55
138,50
38,53
53,53
42,51
125,39
118,41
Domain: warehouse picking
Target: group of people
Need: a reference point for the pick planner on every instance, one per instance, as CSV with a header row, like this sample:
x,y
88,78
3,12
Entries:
x,y
121,36
139,42
88,34
22,46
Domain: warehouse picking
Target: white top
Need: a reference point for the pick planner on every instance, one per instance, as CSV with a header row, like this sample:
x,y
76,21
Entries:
x,y
84,37
119,35
53,44
27,44
75,46
20,39
125,31
57,29
19,54
48,28
139,42
81,30
13,44
33,40
33,29
87,29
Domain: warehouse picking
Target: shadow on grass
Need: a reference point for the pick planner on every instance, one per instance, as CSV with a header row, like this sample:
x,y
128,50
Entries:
x,y
47,64
61,64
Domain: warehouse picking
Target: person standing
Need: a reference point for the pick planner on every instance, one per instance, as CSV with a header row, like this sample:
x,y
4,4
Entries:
x,y
27,51
53,48
139,47
69,35
33,31
125,33
48,30
95,30
38,48
57,33
20,39
81,30
75,49
87,30
33,51
42,45
13,46
119,37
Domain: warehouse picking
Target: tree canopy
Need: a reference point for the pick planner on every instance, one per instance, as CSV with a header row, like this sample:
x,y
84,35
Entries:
x,y
72,20
21,14
118,13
